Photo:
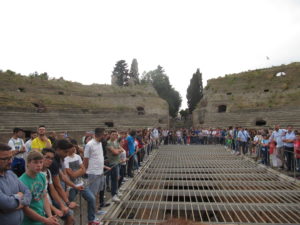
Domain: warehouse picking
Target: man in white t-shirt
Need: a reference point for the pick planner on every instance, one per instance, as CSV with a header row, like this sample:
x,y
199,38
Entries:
x,y
18,148
94,163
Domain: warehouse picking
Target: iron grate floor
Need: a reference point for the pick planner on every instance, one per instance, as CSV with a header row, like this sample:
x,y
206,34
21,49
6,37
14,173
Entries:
x,y
207,184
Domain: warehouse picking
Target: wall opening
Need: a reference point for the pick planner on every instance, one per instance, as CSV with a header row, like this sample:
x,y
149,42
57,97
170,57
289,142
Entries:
x,y
140,110
109,124
266,90
61,93
228,93
160,121
280,74
20,89
260,123
222,108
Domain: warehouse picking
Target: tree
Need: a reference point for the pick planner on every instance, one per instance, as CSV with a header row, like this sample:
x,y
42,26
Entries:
x,y
120,74
194,91
184,113
134,72
160,82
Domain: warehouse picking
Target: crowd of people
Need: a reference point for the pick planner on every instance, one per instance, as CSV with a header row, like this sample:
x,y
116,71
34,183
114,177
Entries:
x,y
41,177
279,148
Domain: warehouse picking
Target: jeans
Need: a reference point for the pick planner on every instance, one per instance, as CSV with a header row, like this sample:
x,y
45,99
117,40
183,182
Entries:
x,y
114,174
122,174
89,197
130,166
289,154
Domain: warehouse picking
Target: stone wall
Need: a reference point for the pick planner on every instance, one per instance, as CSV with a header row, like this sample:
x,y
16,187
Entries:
x,y
259,98
68,106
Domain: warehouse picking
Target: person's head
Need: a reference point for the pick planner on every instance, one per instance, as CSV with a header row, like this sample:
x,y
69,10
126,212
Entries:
x,y
265,136
290,128
33,135
132,133
41,130
18,132
276,127
5,157
74,148
99,133
35,162
62,147
113,135
48,154
87,139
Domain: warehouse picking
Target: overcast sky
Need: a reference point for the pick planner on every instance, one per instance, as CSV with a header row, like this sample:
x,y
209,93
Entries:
x,y
82,40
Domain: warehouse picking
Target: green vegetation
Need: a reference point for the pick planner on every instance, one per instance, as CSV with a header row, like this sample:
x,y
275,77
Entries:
x,y
160,81
194,91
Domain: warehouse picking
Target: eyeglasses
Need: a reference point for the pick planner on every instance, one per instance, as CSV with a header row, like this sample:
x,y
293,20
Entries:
x,y
6,158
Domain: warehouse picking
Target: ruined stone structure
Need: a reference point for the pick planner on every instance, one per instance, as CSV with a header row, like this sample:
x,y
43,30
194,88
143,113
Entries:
x,y
68,106
253,99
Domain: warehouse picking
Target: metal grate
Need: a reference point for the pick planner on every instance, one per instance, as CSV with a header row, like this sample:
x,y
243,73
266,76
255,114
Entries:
x,y
208,184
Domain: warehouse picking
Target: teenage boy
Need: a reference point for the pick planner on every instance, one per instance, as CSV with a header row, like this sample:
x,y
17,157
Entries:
x,y
75,169
94,164
60,209
38,212
14,195
18,147
41,141
114,150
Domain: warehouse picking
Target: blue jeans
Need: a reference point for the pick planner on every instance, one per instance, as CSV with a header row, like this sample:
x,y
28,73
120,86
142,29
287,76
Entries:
x,y
114,174
89,197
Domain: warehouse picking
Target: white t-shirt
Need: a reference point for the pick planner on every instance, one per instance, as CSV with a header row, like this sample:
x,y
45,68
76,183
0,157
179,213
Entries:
x,y
123,157
94,152
28,145
17,144
48,176
74,162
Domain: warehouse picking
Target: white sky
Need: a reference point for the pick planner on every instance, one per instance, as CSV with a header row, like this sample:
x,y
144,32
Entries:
x,y
82,40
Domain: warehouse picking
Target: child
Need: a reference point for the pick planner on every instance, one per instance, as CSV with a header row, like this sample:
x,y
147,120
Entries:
x,y
36,183
75,169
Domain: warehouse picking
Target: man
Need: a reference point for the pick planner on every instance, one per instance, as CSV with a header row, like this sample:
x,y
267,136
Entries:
x,y
38,212
14,195
94,164
130,141
18,148
41,141
33,135
243,136
289,140
277,136
114,150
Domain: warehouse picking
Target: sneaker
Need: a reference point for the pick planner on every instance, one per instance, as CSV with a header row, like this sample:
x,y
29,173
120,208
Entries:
x,y
115,198
125,179
119,194
95,222
101,212
104,205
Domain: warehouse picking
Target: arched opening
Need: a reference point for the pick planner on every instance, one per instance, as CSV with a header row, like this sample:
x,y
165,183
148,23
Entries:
x,y
222,108
109,124
20,89
260,123
140,110
160,121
